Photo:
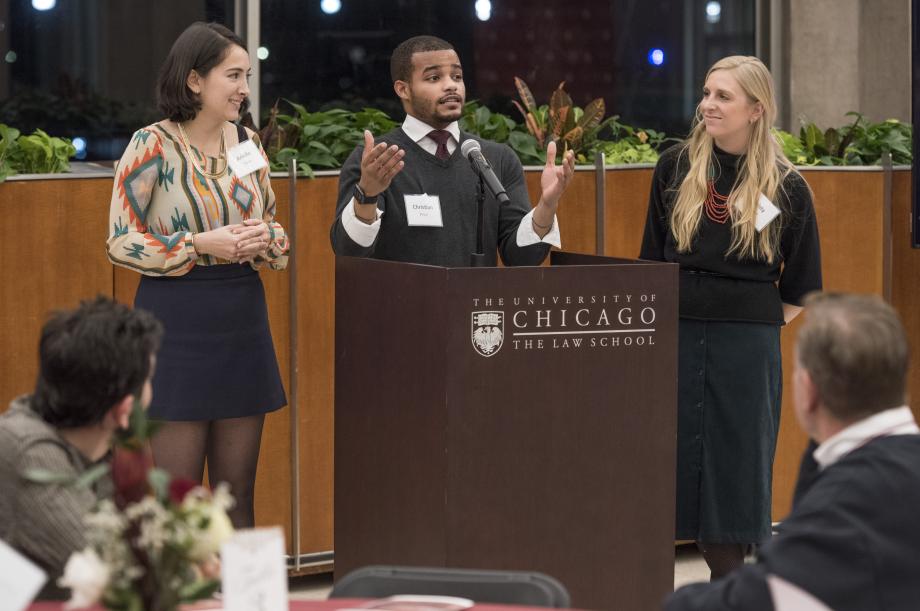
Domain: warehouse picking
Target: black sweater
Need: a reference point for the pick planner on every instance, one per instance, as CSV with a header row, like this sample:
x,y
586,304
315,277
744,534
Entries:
x,y
456,185
714,286
852,540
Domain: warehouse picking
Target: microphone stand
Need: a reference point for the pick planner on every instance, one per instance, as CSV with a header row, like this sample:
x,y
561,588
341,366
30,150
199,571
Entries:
x,y
478,258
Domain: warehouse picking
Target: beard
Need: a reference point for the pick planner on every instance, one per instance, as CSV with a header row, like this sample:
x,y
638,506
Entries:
x,y
434,114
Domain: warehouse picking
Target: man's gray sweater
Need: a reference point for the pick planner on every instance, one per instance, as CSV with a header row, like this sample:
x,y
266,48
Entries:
x,y
456,184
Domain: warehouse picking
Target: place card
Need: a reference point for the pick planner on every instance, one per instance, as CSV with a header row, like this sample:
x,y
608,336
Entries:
x,y
20,580
418,602
253,571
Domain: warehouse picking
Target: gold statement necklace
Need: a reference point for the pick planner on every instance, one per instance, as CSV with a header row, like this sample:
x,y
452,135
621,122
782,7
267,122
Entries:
x,y
221,157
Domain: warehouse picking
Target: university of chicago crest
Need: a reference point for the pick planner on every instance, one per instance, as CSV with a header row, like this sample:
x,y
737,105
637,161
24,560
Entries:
x,y
488,332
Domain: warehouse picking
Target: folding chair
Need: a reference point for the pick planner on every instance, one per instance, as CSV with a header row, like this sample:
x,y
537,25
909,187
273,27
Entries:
x,y
503,587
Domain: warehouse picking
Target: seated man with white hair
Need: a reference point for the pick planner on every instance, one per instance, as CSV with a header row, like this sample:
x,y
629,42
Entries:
x,y
852,540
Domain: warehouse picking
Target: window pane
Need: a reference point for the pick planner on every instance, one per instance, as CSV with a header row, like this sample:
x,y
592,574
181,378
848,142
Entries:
x,y
340,56
88,68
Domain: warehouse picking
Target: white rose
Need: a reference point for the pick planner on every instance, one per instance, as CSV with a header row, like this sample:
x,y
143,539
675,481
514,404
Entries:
x,y
208,541
87,576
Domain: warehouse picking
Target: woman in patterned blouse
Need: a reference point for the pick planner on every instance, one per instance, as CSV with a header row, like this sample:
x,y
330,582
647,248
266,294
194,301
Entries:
x,y
195,216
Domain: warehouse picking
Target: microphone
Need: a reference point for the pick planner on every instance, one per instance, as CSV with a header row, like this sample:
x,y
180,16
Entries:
x,y
472,151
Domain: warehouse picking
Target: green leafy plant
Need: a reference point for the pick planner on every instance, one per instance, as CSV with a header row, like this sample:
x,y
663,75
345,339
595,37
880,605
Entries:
x,y
325,139
8,137
793,147
479,120
625,151
40,153
497,127
527,148
37,153
826,147
318,139
859,143
627,144
868,141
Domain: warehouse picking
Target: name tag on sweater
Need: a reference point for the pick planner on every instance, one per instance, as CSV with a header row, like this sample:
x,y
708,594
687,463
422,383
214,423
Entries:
x,y
423,211
766,212
245,159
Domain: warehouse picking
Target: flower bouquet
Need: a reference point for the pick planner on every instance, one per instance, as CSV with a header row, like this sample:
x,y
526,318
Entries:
x,y
154,547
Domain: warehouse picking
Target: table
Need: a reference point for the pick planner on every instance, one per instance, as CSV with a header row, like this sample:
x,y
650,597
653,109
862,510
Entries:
x,y
299,605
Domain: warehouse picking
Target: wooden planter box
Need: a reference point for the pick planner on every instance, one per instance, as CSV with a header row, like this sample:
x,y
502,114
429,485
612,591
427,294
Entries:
x,y
53,255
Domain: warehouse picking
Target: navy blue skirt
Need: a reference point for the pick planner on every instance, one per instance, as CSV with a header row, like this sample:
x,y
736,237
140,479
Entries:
x,y
217,359
729,381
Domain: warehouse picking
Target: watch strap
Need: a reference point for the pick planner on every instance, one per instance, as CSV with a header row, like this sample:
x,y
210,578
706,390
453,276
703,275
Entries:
x,y
362,198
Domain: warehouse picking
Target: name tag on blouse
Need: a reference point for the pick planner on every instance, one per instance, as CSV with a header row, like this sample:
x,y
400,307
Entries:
x,y
244,159
423,210
766,212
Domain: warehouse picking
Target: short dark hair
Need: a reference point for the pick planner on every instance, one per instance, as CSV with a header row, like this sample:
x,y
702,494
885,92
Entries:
x,y
401,60
855,349
91,358
200,47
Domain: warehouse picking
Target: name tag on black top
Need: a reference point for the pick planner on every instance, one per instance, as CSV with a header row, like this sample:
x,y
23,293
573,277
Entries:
x,y
766,212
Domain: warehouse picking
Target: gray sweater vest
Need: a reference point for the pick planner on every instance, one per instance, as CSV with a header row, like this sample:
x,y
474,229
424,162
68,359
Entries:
x,y
456,184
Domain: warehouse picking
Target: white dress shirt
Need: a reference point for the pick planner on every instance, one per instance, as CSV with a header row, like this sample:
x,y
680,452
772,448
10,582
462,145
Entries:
x,y
894,421
364,234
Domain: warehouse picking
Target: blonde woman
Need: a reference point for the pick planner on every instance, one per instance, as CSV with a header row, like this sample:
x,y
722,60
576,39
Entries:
x,y
732,211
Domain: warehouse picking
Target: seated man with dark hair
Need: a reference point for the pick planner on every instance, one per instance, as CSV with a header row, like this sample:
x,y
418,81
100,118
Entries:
x,y
93,363
852,540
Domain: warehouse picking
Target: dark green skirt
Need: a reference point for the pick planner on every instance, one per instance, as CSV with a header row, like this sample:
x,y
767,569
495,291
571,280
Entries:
x,y
729,396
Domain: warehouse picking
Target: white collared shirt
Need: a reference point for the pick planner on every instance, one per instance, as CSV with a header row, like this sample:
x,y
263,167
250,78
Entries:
x,y
894,421
364,234
418,131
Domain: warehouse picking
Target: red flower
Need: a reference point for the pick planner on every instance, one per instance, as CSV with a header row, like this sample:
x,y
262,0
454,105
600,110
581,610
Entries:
x,y
178,488
129,474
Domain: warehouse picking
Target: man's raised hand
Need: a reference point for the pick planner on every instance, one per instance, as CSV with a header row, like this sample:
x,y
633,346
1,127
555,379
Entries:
x,y
379,164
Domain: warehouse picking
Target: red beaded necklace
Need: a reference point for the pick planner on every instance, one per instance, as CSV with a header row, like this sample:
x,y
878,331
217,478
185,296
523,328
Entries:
x,y
716,204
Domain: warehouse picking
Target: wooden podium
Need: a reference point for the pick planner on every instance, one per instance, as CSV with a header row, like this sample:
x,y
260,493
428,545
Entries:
x,y
510,418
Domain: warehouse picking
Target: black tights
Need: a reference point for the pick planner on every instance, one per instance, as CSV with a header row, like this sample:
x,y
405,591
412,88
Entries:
x,y
231,447
722,558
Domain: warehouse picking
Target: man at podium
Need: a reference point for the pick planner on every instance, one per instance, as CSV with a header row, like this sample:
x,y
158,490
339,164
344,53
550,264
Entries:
x,y
410,195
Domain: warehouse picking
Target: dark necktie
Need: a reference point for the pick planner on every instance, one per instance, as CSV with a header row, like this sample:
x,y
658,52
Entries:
x,y
441,137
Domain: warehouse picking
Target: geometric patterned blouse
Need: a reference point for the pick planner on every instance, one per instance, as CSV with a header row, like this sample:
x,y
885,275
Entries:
x,y
159,200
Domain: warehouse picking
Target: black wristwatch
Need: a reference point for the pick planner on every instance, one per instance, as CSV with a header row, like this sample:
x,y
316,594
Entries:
x,y
362,198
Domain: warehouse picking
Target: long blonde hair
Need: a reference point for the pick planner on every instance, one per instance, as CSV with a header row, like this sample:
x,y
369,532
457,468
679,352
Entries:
x,y
761,170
